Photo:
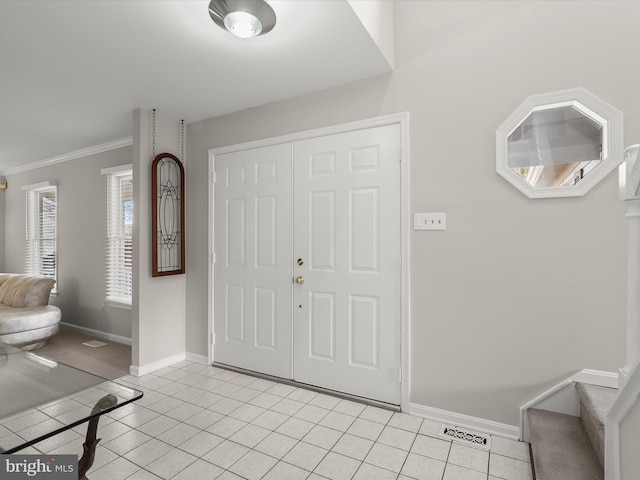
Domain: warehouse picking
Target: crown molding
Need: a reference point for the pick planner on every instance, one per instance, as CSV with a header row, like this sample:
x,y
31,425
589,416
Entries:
x,y
85,152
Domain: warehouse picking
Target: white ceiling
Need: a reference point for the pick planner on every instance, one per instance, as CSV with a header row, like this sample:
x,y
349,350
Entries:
x,y
72,72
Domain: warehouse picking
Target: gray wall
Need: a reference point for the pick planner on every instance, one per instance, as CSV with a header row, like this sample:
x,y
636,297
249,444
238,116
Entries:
x,y
158,323
3,241
516,294
81,238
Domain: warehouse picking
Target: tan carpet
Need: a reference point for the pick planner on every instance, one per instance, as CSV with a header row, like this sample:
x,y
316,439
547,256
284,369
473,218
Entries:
x,y
561,449
109,361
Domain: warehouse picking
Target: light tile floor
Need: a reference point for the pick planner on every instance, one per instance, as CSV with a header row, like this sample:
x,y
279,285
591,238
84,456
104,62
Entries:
x,y
197,422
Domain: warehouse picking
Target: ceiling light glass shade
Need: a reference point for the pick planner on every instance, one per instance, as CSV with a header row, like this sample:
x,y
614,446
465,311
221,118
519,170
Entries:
x,y
243,18
243,24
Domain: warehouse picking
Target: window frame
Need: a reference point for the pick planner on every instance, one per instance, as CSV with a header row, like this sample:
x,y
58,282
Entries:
x,y
116,256
34,238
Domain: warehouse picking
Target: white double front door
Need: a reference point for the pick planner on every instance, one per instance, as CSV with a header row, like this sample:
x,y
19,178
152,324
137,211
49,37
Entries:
x,y
307,269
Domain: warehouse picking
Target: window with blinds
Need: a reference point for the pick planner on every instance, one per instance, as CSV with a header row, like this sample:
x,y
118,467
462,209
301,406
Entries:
x,y
41,230
119,241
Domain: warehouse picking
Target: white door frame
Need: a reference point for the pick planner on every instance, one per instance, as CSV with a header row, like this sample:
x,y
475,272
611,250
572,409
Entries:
x,y
405,226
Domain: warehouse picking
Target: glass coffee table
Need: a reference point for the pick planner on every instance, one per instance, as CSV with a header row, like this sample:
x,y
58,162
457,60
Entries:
x,y
40,398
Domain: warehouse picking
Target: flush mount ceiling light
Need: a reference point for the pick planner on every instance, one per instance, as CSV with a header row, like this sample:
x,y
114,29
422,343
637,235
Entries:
x,y
243,18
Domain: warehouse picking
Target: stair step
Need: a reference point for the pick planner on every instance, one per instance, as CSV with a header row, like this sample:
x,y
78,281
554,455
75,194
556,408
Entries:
x,y
561,449
595,403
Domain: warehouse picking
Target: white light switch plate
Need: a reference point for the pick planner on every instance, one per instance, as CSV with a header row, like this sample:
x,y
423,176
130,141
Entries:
x,y
429,221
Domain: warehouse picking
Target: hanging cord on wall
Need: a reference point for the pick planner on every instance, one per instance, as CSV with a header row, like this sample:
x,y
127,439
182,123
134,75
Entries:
x,y
153,134
182,140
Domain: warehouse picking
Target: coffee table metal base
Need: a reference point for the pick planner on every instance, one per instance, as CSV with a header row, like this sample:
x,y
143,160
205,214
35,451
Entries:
x,y
91,442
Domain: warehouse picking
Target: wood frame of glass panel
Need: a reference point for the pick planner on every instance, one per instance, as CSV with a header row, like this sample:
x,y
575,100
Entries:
x,y
167,199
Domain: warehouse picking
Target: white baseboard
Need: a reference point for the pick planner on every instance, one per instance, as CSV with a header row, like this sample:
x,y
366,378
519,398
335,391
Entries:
x,y
194,357
460,420
140,370
97,333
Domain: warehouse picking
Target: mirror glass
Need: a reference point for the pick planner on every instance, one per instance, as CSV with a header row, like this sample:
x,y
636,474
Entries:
x,y
559,144
555,147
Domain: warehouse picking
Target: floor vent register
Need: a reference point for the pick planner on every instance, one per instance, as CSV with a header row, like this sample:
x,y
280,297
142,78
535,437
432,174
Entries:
x,y
466,437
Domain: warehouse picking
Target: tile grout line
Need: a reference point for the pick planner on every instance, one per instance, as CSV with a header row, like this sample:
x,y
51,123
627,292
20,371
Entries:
x,y
184,382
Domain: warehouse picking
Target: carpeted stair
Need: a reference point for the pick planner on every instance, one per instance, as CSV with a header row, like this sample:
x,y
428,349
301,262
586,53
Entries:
x,y
571,448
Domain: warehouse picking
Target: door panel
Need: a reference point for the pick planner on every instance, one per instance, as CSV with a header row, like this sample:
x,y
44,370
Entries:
x,y
347,225
339,326
322,326
252,237
363,331
322,225
364,226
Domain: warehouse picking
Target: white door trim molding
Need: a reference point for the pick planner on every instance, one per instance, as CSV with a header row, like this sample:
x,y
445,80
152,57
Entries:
x,y
405,225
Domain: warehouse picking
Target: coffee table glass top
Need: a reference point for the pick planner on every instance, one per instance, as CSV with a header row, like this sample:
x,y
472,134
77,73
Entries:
x,y
40,398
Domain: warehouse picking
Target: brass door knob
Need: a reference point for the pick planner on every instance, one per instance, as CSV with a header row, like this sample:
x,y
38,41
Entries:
x,y
299,280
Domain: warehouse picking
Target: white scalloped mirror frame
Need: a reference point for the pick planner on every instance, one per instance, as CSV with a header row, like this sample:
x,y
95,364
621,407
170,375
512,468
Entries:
x,y
594,110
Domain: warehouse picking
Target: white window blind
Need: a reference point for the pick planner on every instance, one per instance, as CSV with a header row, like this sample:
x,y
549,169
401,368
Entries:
x,y
41,230
119,234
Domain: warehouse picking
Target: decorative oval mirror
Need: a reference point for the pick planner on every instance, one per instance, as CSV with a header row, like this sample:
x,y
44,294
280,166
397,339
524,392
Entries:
x,y
168,253
559,144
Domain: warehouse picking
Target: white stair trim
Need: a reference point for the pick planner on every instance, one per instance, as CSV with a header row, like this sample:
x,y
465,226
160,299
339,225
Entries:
x,y
596,377
627,398
562,398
